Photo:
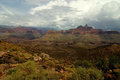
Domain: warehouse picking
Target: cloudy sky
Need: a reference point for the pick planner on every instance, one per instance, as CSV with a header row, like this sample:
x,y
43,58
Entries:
x,y
62,14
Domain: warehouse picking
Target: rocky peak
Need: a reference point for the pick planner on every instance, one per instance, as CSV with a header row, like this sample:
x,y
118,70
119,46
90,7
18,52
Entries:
x,y
89,30
79,26
86,27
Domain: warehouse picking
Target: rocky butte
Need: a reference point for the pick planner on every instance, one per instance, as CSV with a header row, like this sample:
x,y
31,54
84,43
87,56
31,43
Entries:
x,y
84,30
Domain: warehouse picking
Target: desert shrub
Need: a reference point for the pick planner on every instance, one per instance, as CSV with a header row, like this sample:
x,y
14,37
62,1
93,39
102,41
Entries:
x,y
50,63
22,60
83,63
107,63
27,71
54,76
71,70
87,74
16,58
101,63
98,62
80,74
114,62
95,74
11,71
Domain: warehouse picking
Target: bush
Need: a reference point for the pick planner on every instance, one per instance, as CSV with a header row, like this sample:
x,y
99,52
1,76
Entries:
x,y
27,71
83,63
95,74
50,64
87,74
11,71
16,58
54,76
114,62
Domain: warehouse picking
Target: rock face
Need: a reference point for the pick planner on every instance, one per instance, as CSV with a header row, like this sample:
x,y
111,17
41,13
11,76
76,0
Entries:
x,y
90,30
85,30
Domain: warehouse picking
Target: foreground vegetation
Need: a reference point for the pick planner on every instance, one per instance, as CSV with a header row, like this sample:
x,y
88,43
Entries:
x,y
29,61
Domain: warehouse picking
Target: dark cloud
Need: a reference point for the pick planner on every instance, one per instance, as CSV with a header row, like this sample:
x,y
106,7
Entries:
x,y
109,17
62,14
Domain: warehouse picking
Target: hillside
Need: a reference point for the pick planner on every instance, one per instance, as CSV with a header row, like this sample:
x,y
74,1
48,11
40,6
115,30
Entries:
x,y
20,33
81,34
62,61
63,54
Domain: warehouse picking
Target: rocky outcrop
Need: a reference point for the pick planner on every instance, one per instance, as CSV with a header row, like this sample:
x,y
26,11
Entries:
x,y
90,30
41,57
37,58
83,30
44,55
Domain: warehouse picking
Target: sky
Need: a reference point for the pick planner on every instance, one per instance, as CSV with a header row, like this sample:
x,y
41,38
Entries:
x,y
62,14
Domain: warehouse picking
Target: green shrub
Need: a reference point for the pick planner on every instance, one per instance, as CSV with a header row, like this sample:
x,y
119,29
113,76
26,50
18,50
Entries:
x,y
16,58
11,71
83,63
28,71
95,74
50,63
54,76
87,74
114,61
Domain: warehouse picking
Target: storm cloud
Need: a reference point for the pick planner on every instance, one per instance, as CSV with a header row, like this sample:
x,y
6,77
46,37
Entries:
x,y
62,14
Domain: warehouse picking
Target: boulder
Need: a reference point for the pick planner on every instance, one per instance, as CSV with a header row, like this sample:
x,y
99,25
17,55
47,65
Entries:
x,y
44,55
37,58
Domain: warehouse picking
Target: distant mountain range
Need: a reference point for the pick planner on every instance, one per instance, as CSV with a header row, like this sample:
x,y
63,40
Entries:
x,y
82,34
20,33
40,28
85,30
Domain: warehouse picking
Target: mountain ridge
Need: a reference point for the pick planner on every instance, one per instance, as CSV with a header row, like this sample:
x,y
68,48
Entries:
x,y
85,34
85,30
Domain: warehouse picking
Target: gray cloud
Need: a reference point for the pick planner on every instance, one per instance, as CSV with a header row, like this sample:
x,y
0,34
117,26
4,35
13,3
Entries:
x,y
109,17
65,14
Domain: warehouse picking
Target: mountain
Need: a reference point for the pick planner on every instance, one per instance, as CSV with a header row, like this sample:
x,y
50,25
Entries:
x,y
80,36
88,30
63,53
20,33
79,30
20,29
